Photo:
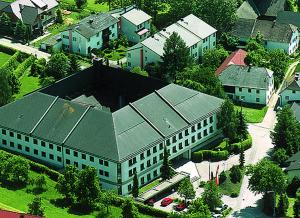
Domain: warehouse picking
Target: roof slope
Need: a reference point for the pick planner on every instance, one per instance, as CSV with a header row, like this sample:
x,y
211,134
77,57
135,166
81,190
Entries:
x,y
289,17
136,16
247,11
243,76
296,110
237,58
243,28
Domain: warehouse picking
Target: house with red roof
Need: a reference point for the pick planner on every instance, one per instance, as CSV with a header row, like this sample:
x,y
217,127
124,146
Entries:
x,y
11,214
236,58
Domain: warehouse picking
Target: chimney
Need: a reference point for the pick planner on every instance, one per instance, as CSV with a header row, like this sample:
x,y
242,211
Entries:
x,y
164,29
91,21
274,22
181,19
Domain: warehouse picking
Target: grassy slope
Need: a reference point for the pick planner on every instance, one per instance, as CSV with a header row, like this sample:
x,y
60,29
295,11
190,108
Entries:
x,y
3,58
253,115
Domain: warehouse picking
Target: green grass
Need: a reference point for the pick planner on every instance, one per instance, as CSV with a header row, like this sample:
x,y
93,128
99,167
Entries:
x,y
227,187
149,186
115,54
253,115
290,212
297,68
3,58
6,207
28,84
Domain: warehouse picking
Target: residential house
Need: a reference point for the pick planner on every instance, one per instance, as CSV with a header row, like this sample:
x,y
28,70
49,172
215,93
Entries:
x,y
289,17
293,170
198,36
236,58
12,214
290,92
135,25
249,84
37,14
76,124
93,32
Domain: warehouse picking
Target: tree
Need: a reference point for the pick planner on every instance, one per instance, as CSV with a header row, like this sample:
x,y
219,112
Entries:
x,y
139,71
278,63
14,83
222,177
40,182
59,17
166,170
5,24
74,64
279,156
235,174
180,9
284,135
186,189
80,3
152,8
199,208
283,205
35,207
46,81
293,186
5,89
242,157
129,210
266,177
174,49
221,14
58,66
229,42
20,30
297,206
87,188
241,128
66,184
211,195
214,57
135,186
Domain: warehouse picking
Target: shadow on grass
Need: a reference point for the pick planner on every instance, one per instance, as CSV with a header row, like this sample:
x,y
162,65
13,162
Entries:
x,y
74,209
13,186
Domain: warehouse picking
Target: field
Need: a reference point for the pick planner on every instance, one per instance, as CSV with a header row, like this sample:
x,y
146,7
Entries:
x,y
253,115
3,58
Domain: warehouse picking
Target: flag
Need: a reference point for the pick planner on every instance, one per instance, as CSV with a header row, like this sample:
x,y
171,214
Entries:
x,y
217,178
208,171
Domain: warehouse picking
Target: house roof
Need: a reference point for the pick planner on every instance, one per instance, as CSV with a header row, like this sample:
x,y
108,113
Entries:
x,y
296,110
113,136
136,16
246,76
247,11
294,166
11,214
237,58
94,24
294,157
292,85
243,27
289,17
190,28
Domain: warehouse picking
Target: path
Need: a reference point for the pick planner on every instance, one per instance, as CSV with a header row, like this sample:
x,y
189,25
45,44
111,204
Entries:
x,y
24,48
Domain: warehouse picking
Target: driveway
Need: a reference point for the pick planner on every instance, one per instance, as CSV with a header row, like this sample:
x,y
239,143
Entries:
x,y
24,48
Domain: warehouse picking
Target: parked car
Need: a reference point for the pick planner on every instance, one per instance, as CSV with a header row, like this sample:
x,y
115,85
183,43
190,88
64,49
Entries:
x,y
166,202
180,207
150,202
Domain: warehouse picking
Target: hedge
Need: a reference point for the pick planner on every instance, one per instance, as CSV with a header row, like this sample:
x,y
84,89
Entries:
x,y
202,155
236,147
7,50
24,65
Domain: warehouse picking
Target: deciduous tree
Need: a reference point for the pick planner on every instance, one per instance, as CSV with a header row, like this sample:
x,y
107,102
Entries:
x,y
129,210
35,207
199,209
58,66
211,195
186,189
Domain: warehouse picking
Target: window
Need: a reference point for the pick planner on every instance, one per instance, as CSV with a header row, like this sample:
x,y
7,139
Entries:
x,y
149,177
97,35
75,163
130,173
193,139
129,187
174,149
106,163
186,132
58,159
161,146
257,99
174,139
240,89
3,132
294,91
51,156
129,55
89,39
180,135
199,135
101,172
19,146
287,97
83,156
83,166
4,142
43,154
205,132
106,174
58,148
142,180
155,173
74,39
100,161
128,64
257,91
154,149
161,156
67,151
36,152
168,142
186,142
51,146
75,153
249,90
211,119
91,158
205,122
43,144
148,163
211,129
199,126
154,160
65,37
26,138
27,149
148,153
142,167
18,136
193,129
142,156
11,134
180,146
113,35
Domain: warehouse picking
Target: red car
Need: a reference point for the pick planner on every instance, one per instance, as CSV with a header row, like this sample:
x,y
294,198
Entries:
x,y
180,206
166,202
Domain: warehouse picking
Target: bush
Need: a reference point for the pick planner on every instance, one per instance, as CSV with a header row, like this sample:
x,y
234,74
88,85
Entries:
x,y
7,50
235,174
293,186
202,184
279,156
202,155
236,147
222,177
24,65
234,194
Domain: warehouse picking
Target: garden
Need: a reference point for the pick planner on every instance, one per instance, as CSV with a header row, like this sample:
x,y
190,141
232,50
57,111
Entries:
x,y
253,114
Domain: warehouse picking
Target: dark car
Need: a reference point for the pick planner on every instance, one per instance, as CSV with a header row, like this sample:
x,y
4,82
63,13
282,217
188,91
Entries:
x,y
180,206
166,202
150,202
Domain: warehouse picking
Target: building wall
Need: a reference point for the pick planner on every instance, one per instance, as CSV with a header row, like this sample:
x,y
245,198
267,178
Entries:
x,y
249,95
294,44
289,95
134,56
130,30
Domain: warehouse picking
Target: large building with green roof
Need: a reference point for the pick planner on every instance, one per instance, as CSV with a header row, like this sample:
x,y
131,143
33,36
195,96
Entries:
x,y
117,122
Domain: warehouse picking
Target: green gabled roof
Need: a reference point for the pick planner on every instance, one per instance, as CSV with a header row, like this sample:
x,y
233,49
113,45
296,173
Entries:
x,y
294,166
246,76
289,17
295,157
294,85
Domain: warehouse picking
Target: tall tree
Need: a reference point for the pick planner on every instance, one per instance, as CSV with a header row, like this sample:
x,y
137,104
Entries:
x,y
59,17
214,57
175,58
35,207
152,7
5,89
5,24
135,186
129,210
58,66
283,205
186,189
278,63
74,64
40,182
242,157
199,208
166,170
14,83
284,135
241,128
180,9
20,30
80,3
211,195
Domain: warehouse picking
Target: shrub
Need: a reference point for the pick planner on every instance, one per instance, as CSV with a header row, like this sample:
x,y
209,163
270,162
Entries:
x,y
222,177
280,156
202,184
23,66
234,194
235,174
7,50
246,144
209,155
293,186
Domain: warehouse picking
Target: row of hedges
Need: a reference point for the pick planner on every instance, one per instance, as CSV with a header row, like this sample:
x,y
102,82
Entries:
x,y
7,50
237,147
24,65
144,209
36,167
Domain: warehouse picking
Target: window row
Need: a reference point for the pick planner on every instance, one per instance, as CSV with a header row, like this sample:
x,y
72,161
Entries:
x,y
150,151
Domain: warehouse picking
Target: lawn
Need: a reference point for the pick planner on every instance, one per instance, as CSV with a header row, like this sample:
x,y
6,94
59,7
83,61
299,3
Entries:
x,y
28,84
227,187
91,5
253,115
3,58
297,68
115,54
149,186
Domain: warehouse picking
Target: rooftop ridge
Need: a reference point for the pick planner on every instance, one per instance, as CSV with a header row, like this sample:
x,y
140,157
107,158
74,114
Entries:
x,y
179,24
43,116
146,119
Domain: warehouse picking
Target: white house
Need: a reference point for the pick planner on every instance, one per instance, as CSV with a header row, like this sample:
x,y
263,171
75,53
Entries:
x,y
198,36
291,92
249,84
135,25
60,132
